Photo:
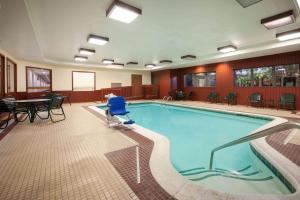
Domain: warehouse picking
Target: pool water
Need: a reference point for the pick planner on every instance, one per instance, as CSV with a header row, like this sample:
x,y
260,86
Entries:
x,y
193,133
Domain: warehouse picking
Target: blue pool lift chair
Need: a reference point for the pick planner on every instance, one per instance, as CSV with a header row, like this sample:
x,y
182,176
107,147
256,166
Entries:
x,y
117,107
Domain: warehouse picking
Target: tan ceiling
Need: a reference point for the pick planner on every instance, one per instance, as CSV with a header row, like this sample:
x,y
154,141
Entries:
x,y
54,30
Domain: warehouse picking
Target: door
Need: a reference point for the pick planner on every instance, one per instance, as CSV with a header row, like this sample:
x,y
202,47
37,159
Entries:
x,y
136,83
2,76
11,77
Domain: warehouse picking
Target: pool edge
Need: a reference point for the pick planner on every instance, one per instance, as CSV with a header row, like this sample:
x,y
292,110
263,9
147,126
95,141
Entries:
x,y
181,188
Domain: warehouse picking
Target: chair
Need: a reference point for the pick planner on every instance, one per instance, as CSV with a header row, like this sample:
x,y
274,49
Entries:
x,y
116,107
255,99
51,95
231,98
189,96
49,107
15,109
180,95
287,100
213,97
5,114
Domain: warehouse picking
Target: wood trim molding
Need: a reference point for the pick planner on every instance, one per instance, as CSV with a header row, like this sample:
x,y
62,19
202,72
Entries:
x,y
50,72
84,72
15,75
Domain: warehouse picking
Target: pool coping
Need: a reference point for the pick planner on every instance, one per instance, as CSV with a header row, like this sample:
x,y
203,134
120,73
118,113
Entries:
x,y
182,188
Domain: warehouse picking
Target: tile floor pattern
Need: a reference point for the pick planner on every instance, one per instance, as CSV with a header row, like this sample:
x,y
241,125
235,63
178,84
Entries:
x,y
67,160
124,161
291,151
62,161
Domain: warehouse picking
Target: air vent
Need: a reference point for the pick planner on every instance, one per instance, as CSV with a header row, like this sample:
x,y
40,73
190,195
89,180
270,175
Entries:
x,y
247,3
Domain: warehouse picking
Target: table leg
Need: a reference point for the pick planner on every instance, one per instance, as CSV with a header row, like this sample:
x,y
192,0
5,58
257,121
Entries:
x,y
32,112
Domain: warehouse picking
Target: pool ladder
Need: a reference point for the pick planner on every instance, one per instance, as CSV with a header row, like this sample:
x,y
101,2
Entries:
x,y
167,98
259,134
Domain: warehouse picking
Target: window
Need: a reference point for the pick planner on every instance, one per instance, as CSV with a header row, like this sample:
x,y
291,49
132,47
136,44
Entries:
x,y
11,70
38,79
83,81
207,79
279,76
243,77
287,75
263,76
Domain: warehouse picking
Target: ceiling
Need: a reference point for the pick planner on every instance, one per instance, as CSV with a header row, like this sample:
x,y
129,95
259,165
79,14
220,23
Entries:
x,y
52,31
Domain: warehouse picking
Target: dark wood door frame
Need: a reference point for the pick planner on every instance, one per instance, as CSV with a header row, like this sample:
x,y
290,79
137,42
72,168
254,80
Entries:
x,y
50,73
15,75
2,65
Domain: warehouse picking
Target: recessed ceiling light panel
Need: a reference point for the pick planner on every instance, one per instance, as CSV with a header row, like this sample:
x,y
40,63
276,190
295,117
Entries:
x,y
107,61
119,64
166,61
88,52
150,65
247,3
188,57
289,35
227,49
123,12
98,40
132,63
279,20
80,58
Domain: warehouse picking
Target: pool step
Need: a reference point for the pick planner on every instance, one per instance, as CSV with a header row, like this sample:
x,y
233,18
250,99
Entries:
x,y
248,174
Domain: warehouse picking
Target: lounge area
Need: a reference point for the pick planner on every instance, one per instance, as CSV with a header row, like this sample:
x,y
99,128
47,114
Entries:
x,y
131,99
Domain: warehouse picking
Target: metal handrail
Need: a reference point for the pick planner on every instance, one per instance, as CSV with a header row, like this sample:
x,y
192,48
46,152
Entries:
x,y
164,98
259,134
169,98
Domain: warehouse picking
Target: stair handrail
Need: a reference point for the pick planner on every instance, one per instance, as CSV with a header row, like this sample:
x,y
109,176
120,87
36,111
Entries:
x,y
169,98
164,98
265,132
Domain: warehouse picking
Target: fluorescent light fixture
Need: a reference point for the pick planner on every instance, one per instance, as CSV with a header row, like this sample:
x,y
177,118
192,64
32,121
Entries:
x,y
88,52
123,12
150,65
289,35
107,61
132,63
118,64
80,58
228,48
247,3
188,57
166,61
98,40
279,20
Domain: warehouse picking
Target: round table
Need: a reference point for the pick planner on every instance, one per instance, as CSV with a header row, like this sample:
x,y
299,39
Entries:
x,y
31,106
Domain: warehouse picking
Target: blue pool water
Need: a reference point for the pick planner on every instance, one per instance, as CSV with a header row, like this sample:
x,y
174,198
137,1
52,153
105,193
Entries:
x,y
193,133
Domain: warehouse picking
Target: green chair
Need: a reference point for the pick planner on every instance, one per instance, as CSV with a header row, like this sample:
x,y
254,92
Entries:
x,y
255,99
180,95
288,101
213,97
231,98
49,107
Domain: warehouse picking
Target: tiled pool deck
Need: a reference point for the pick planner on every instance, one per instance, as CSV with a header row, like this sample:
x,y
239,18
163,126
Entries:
x,y
80,158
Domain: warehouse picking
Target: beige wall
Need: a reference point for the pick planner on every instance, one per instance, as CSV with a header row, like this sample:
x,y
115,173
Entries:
x,y
62,75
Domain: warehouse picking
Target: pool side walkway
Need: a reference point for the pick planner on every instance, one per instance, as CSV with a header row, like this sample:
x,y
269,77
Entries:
x,y
81,158
65,160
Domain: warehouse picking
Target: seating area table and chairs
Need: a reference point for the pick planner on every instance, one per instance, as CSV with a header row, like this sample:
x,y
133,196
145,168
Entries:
x,y
31,105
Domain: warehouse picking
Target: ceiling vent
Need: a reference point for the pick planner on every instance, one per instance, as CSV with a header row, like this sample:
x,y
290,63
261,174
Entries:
x,y
247,3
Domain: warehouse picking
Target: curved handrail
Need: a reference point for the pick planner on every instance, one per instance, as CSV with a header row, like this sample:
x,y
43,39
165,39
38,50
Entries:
x,y
259,134
165,98
169,98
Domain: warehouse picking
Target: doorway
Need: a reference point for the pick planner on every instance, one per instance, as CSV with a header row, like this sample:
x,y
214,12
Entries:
x,y
2,76
136,83
11,77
